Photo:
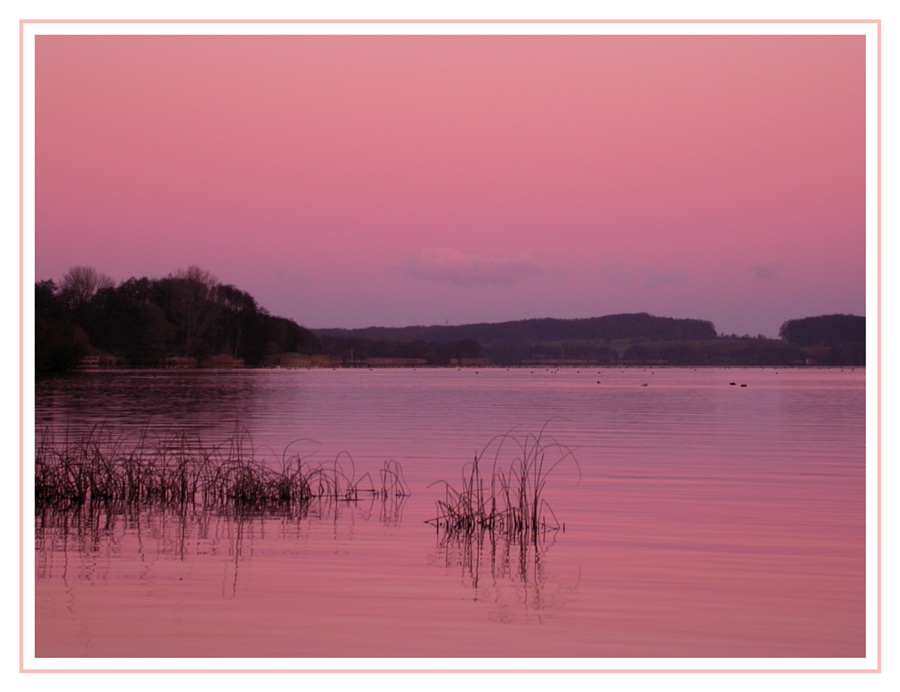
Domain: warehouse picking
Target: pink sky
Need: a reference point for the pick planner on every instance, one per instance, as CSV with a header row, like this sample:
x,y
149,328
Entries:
x,y
387,180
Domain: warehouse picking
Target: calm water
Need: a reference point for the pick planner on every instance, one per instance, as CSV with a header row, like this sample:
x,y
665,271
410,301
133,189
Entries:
x,y
702,519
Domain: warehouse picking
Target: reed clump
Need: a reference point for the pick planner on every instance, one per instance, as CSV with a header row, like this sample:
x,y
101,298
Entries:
x,y
175,468
507,499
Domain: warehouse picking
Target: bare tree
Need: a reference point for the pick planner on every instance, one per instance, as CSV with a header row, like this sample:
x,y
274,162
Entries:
x,y
194,304
198,276
80,284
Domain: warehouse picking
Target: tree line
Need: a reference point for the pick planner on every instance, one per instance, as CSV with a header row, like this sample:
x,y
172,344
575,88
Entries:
x,y
635,339
825,330
189,317
829,339
149,322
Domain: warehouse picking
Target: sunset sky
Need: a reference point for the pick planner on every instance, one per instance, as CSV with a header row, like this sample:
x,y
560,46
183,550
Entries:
x,y
348,181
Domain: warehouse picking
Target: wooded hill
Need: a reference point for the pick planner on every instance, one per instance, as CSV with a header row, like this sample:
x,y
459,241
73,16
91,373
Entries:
x,y
187,318
626,326
622,339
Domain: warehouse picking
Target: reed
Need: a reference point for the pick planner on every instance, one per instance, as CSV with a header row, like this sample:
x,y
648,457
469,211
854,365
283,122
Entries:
x,y
175,468
507,500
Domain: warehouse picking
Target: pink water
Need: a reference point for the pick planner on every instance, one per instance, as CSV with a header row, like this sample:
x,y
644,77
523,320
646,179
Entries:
x,y
701,520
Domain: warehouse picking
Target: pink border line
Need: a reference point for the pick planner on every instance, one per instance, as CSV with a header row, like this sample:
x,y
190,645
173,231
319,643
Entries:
x,y
452,21
878,372
23,22
21,347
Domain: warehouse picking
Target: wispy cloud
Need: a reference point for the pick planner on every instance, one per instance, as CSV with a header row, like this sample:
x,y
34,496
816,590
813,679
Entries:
x,y
615,273
449,265
663,278
766,271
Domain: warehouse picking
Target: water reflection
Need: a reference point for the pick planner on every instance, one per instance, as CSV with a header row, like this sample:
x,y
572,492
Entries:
x,y
83,541
484,555
514,581
202,400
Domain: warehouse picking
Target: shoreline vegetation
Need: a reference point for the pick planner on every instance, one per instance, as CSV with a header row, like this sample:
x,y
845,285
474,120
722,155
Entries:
x,y
509,501
191,320
119,473
98,471
85,484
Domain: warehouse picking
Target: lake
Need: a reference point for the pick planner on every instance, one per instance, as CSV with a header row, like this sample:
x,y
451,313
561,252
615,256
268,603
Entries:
x,y
703,513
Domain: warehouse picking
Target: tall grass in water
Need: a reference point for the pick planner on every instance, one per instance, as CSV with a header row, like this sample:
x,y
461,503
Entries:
x,y
505,500
175,469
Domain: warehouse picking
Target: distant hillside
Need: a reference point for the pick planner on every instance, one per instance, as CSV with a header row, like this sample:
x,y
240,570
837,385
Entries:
x,y
625,339
640,326
825,330
829,339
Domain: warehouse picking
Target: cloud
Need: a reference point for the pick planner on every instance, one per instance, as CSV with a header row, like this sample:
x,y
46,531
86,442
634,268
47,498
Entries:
x,y
667,278
449,265
766,271
614,273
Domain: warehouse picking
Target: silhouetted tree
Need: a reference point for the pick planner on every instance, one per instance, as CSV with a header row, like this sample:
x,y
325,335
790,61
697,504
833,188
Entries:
x,y
129,325
59,344
79,285
142,321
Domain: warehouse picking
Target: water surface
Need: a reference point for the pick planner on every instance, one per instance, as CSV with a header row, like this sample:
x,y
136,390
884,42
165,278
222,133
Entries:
x,y
702,519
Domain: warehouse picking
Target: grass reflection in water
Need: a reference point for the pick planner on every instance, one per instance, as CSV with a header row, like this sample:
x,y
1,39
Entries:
x,y
97,490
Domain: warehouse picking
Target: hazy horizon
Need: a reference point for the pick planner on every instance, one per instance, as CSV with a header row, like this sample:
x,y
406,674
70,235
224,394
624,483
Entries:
x,y
355,181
